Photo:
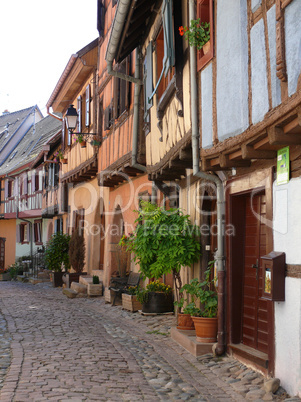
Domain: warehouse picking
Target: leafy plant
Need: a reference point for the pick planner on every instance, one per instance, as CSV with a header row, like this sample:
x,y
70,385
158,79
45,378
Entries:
x,y
197,34
163,242
56,252
95,280
155,286
201,292
132,290
14,270
77,251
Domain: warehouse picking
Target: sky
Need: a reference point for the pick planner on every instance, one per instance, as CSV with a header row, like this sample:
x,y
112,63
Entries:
x,y
37,39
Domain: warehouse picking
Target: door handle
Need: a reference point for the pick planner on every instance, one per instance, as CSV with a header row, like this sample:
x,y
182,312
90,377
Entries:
x,y
256,267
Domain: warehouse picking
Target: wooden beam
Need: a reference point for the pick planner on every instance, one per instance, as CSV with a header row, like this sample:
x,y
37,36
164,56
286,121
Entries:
x,y
225,162
248,152
177,163
278,137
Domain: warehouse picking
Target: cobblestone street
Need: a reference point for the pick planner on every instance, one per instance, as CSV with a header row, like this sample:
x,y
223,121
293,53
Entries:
x,y
59,349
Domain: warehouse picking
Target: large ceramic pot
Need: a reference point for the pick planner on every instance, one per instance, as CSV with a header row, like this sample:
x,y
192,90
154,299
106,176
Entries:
x,y
158,302
185,322
205,329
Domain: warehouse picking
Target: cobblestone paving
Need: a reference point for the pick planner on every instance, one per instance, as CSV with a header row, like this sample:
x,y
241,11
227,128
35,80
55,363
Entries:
x,y
59,349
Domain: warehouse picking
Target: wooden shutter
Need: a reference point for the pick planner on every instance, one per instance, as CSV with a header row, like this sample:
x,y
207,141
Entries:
x,y
25,184
100,17
64,197
79,112
169,53
18,233
148,78
6,188
87,106
33,181
16,189
107,119
63,134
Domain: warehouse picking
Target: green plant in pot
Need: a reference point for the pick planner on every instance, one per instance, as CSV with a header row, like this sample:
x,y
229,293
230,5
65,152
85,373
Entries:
x,y
163,242
197,34
203,307
56,255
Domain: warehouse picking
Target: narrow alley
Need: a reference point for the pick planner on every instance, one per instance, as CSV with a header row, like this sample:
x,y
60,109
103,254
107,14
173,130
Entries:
x,y
57,349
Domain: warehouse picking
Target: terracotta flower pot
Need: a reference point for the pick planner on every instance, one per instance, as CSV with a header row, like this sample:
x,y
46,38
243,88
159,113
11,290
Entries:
x,y
64,161
205,329
206,47
83,144
185,322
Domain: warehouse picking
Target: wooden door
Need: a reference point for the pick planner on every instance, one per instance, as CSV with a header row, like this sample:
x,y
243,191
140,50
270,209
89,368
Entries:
x,y
255,316
2,253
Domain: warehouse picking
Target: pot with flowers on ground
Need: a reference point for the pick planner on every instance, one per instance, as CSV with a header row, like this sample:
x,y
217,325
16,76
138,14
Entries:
x,y
156,298
184,320
162,242
205,316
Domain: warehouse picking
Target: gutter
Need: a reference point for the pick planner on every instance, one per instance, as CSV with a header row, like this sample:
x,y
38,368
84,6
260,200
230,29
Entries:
x,y
221,339
116,31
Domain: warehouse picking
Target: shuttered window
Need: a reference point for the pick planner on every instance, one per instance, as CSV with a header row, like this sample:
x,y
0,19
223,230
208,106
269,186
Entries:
x,y
100,17
122,89
148,80
79,112
87,121
169,53
37,231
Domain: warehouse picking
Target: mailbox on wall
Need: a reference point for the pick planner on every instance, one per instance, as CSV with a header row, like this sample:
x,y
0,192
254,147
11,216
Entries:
x,y
273,276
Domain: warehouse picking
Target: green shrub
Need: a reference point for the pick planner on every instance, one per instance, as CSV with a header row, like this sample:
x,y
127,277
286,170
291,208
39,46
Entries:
x,y
95,280
56,252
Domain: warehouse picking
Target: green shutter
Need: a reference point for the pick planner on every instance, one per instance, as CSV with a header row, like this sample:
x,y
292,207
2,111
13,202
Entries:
x,y
148,78
169,54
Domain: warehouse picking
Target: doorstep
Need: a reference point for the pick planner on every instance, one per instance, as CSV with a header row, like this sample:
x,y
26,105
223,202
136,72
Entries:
x,y
249,356
187,339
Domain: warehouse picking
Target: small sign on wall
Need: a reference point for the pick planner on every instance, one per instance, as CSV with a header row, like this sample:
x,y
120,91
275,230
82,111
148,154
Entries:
x,y
283,166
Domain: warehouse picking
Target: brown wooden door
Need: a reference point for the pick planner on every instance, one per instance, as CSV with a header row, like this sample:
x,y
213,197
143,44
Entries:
x,y
2,253
255,316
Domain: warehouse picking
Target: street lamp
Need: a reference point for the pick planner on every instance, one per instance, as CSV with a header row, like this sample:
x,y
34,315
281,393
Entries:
x,y
71,121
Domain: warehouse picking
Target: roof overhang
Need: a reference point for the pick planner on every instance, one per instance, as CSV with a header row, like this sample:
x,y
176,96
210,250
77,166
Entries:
x,y
77,70
130,26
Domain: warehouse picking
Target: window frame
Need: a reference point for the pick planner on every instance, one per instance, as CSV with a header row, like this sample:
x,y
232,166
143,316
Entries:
x,y
37,231
205,13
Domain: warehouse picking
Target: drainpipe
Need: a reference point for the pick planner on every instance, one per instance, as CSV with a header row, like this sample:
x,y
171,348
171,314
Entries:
x,y
116,31
221,344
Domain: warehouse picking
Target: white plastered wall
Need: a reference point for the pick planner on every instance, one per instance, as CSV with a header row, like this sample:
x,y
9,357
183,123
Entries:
x,y
287,238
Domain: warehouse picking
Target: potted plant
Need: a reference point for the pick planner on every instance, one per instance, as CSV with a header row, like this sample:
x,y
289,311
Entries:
x,y
77,252
95,288
163,242
197,34
184,320
129,299
56,255
204,316
156,298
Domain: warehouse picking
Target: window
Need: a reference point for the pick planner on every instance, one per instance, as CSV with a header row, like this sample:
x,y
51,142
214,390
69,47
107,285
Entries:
x,y
37,230
164,44
23,233
53,174
205,13
58,225
24,185
121,89
79,112
87,119
101,17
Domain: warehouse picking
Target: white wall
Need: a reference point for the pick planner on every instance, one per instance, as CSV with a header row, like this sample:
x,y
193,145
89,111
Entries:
x,y
232,68
207,112
287,238
275,82
293,44
260,97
